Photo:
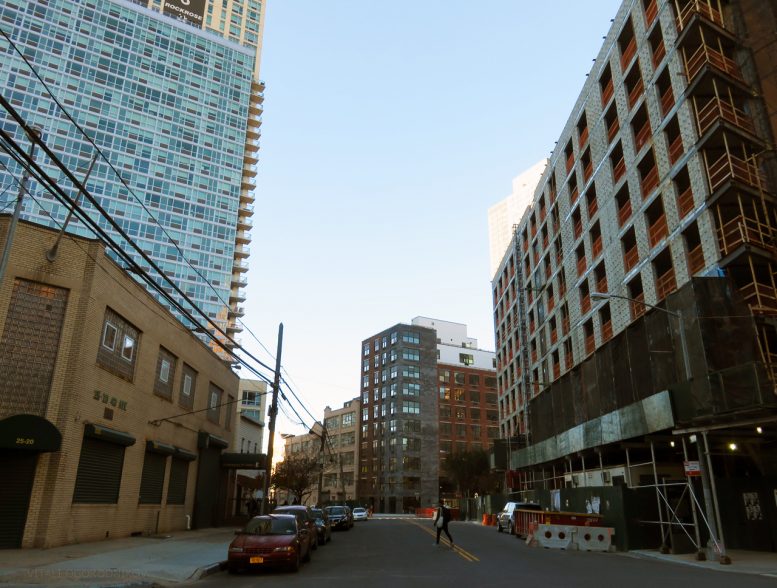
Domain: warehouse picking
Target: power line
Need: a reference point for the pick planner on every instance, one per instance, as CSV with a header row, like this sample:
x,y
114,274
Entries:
x,y
175,244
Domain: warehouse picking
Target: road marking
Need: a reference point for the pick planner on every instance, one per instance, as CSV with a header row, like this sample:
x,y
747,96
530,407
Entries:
x,y
463,553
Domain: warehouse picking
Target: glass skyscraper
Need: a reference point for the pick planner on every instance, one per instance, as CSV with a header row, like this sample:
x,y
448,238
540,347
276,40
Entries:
x,y
174,104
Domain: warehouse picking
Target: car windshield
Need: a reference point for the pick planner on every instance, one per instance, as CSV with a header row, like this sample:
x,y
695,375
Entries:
x,y
336,510
359,510
317,513
270,526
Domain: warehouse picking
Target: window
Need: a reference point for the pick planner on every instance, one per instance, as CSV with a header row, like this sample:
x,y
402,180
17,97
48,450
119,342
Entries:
x,y
445,393
466,358
444,376
394,372
411,337
214,403
110,333
118,358
411,354
474,380
165,372
188,386
366,349
409,389
459,378
348,419
411,407
411,371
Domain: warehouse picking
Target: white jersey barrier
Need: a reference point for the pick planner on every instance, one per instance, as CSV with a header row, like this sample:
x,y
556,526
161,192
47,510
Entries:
x,y
594,538
555,536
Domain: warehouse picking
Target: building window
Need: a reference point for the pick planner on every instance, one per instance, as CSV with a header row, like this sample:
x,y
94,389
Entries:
x,y
444,376
188,386
366,349
409,389
411,354
394,372
165,372
411,337
214,403
411,407
467,358
393,337
119,359
411,371
445,393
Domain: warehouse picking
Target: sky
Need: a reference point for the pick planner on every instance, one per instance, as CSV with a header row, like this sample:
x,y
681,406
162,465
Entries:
x,y
388,131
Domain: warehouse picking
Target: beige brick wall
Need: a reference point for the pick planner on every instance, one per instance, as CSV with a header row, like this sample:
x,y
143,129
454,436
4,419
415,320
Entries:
x,y
94,283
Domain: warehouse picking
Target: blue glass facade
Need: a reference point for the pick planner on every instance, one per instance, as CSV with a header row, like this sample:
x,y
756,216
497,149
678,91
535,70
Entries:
x,y
166,102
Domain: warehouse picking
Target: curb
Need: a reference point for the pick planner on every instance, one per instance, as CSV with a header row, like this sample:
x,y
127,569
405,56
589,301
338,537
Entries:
x,y
213,568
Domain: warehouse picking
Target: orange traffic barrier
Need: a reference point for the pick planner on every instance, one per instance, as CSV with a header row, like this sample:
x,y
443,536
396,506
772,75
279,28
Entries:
x,y
486,519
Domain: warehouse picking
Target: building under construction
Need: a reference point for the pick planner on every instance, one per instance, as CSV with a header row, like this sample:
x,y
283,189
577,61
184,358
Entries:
x,y
635,309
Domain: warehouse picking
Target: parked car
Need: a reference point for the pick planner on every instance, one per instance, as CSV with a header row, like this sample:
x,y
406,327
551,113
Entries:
x,y
323,526
339,517
269,541
506,517
305,519
360,514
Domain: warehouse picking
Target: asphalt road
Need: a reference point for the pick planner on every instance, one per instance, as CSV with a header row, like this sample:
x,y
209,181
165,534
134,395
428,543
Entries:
x,y
395,553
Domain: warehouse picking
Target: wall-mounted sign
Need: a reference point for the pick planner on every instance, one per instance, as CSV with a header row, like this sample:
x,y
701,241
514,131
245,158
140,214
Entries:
x,y
110,400
692,468
192,11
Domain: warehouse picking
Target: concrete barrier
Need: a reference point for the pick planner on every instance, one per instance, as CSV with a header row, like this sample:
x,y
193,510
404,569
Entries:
x,y
555,536
594,538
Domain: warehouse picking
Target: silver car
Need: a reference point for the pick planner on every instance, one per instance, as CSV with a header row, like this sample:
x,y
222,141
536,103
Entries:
x,y
506,517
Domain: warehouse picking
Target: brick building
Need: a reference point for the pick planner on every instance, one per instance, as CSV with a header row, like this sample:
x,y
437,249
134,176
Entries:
x,y
114,418
634,311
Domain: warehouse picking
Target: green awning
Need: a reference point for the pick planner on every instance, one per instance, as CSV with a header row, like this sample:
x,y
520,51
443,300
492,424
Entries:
x,y
110,435
159,447
244,461
29,433
181,453
205,440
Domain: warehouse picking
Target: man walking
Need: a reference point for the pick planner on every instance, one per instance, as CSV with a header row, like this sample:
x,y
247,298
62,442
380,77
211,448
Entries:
x,y
441,518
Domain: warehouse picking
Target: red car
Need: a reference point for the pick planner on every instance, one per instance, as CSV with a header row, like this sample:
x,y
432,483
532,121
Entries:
x,y
269,541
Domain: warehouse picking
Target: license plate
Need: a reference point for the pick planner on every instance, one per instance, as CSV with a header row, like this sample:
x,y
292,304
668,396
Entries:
x,y
256,560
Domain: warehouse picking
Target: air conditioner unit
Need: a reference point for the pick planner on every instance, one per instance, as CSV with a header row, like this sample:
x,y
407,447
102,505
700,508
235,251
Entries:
x,y
605,477
575,480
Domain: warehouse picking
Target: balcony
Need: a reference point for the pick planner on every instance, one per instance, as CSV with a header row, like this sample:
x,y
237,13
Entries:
x,y
630,259
624,213
636,92
606,331
642,136
553,336
717,109
574,194
699,7
243,238
761,298
665,284
618,170
628,53
685,202
649,182
239,266
581,266
658,54
745,231
583,137
244,223
651,12
593,206
607,92
706,55
578,228
596,250
730,167
570,162
590,344
585,303
695,260
237,296
242,252
657,230
637,306
237,311
588,171
612,130
239,282
676,149
556,371
565,326
667,101
569,360
601,284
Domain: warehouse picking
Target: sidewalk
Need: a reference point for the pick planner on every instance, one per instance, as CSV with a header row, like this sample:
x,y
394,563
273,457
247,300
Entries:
x,y
132,561
763,563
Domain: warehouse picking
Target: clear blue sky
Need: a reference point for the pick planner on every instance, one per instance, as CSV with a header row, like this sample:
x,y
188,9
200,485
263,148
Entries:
x,y
389,130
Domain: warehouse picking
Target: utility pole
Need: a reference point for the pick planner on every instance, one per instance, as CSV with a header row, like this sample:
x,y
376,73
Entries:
x,y
321,471
33,133
273,413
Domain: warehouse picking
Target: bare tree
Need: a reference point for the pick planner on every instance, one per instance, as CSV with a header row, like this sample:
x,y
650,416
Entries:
x,y
298,475
470,471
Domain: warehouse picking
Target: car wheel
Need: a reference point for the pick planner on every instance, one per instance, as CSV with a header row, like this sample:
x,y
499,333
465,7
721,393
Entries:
x,y
232,569
498,527
510,528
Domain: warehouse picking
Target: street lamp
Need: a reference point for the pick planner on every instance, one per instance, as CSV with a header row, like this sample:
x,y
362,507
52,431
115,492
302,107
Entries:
x,y
677,314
